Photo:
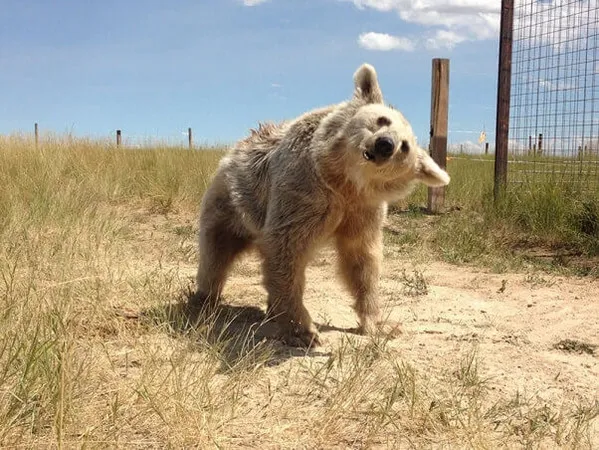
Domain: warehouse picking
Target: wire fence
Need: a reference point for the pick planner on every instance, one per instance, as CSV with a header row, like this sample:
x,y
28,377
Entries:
x,y
554,113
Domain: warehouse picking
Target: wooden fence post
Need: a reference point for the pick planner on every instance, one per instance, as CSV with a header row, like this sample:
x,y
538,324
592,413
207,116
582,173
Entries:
x,y
37,135
189,137
438,131
529,144
118,138
504,80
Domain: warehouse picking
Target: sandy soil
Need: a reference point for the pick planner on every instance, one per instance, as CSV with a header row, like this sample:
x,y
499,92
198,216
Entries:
x,y
517,320
534,333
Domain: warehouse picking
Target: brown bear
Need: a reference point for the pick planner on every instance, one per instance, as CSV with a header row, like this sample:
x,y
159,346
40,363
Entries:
x,y
289,188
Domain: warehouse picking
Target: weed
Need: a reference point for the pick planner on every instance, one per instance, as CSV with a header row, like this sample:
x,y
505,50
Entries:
x,y
538,280
414,285
575,346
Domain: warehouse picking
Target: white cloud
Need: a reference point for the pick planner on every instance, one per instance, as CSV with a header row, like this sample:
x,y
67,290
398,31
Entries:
x,y
385,42
445,39
451,21
556,86
448,23
563,24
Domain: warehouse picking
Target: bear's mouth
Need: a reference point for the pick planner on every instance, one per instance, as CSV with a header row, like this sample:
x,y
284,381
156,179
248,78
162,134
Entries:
x,y
368,156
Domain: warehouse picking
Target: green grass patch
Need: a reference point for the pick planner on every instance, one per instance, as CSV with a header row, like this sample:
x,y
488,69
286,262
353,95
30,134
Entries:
x,y
558,221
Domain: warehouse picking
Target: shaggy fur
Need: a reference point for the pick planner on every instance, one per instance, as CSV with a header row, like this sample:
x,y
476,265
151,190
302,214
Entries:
x,y
288,188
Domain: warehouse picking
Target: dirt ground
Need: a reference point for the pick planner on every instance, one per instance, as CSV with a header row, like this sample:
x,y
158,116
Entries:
x,y
534,333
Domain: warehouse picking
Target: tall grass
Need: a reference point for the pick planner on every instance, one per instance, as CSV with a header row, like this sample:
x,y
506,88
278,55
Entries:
x,y
93,353
74,175
543,217
65,213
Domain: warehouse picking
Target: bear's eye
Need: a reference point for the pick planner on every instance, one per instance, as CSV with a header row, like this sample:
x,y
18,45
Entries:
x,y
405,147
383,121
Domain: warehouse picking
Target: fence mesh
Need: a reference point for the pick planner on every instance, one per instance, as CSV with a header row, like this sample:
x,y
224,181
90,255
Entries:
x,y
554,113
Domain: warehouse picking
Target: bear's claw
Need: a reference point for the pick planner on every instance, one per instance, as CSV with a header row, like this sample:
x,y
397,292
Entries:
x,y
302,339
390,329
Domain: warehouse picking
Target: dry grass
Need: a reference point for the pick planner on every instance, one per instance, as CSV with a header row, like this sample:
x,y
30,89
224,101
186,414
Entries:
x,y
549,224
97,255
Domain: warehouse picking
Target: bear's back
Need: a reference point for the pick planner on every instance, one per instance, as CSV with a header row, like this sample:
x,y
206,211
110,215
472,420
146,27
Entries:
x,y
273,154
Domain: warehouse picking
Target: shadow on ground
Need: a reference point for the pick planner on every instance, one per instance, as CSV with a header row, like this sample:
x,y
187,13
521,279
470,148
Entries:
x,y
242,336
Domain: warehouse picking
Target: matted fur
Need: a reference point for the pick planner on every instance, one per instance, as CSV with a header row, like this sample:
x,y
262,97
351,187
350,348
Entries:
x,y
288,188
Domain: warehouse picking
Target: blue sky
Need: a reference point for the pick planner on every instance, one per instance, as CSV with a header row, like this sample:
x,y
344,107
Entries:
x,y
153,68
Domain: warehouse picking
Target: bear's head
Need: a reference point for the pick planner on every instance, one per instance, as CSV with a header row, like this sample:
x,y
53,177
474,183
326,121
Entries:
x,y
379,141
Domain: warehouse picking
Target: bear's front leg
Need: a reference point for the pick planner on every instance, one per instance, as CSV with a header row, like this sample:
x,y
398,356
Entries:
x,y
360,256
284,267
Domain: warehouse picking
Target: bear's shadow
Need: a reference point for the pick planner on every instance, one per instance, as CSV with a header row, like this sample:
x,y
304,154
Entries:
x,y
240,336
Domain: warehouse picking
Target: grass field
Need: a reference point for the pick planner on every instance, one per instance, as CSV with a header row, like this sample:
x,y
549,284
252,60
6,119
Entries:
x,y
98,251
552,224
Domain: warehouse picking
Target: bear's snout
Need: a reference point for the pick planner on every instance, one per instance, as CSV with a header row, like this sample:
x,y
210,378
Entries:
x,y
381,151
383,147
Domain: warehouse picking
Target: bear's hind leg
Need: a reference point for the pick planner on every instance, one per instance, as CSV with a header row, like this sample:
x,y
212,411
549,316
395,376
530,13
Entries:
x,y
218,250
221,240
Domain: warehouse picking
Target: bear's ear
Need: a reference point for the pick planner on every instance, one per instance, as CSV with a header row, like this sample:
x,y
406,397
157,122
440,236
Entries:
x,y
429,172
367,85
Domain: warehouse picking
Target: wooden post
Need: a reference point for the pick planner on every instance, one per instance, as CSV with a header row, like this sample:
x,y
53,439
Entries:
x,y
486,148
504,80
189,137
540,148
118,138
529,144
37,135
439,122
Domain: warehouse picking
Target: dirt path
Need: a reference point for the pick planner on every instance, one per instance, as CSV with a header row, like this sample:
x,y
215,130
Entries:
x,y
515,320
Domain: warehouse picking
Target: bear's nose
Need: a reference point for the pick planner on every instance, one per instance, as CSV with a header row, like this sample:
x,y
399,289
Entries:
x,y
384,146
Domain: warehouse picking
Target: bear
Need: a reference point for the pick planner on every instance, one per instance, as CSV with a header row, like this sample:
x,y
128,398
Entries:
x,y
289,188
